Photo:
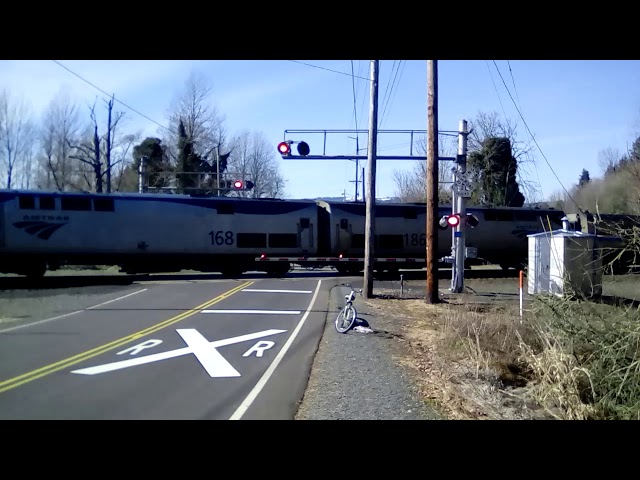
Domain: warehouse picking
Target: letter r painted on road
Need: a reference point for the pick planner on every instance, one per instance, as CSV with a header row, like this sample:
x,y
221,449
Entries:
x,y
259,348
136,349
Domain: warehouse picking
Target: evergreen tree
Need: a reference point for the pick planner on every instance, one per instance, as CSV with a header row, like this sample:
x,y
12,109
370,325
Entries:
x,y
584,178
157,169
494,171
189,164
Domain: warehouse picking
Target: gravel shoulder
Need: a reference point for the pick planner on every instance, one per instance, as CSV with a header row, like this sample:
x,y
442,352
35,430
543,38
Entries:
x,y
355,376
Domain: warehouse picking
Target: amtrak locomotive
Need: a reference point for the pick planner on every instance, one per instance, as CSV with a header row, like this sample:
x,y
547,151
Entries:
x,y
147,233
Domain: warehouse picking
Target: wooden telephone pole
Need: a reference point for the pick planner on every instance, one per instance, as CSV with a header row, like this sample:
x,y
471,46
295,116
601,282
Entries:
x,y
369,232
432,182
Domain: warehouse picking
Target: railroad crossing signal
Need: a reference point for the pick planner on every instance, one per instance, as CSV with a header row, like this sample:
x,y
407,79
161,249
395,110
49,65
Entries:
x,y
472,221
243,185
285,148
453,221
449,221
236,184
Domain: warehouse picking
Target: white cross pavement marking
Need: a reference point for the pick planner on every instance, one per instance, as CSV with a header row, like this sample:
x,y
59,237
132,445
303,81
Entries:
x,y
195,346
262,312
210,358
275,291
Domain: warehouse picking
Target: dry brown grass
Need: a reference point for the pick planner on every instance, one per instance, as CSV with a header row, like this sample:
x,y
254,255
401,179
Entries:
x,y
567,359
465,362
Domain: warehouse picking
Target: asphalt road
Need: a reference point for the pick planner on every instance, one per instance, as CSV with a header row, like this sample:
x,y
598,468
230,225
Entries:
x,y
221,349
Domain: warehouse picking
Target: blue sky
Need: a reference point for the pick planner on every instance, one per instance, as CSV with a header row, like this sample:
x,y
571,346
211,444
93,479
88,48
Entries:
x,y
574,109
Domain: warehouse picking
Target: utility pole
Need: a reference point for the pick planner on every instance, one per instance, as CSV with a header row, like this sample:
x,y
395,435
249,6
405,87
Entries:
x,y
432,182
369,232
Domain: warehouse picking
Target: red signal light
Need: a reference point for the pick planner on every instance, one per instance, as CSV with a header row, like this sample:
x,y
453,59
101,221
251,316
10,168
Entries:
x,y
453,220
284,148
263,256
237,184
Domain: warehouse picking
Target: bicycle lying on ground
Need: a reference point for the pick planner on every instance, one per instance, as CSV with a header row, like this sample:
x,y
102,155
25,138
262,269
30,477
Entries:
x,y
347,316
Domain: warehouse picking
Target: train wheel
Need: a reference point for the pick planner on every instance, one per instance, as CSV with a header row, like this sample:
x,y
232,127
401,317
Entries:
x,y
34,270
342,269
231,272
279,269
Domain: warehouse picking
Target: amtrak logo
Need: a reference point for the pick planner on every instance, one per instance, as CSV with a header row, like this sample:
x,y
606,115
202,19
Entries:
x,y
42,230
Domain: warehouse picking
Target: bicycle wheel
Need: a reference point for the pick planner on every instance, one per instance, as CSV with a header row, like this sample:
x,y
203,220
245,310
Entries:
x,y
345,319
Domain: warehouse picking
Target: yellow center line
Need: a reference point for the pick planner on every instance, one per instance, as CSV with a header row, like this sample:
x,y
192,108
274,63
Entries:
x,y
54,367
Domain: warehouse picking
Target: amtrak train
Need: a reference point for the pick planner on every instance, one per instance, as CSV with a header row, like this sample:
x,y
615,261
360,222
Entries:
x,y
151,233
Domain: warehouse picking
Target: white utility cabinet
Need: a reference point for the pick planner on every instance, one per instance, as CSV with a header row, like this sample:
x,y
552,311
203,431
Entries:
x,y
563,261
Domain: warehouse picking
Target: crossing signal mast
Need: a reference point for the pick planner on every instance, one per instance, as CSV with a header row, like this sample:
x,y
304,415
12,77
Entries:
x,y
461,192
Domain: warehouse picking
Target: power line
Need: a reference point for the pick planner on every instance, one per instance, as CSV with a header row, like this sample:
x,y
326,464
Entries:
x,y
496,89
536,170
328,69
353,87
392,92
386,91
110,95
514,83
532,137
502,106
364,95
398,84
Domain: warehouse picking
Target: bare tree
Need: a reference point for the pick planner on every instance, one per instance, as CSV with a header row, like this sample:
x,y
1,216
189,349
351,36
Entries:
x,y
27,166
608,159
96,153
557,200
252,158
411,186
204,125
16,131
112,123
126,179
60,127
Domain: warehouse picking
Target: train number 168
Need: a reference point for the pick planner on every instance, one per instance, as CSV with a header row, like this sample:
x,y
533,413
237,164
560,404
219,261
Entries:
x,y
221,238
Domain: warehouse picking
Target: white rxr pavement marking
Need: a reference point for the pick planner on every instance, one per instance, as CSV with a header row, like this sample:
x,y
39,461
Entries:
x,y
212,361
